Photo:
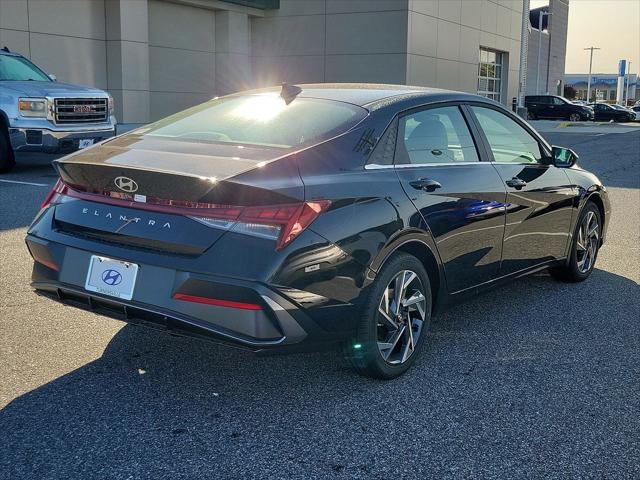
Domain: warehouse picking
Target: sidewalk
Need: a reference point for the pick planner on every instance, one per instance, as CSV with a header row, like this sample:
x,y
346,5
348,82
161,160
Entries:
x,y
585,127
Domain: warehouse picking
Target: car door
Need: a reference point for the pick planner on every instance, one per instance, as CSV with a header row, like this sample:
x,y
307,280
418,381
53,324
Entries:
x,y
561,109
602,112
460,197
555,107
546,108
539,195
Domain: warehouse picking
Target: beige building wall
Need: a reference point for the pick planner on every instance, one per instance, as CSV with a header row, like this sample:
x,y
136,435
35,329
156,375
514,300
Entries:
x,y
445,37
182,56
419,42
158,56
64,37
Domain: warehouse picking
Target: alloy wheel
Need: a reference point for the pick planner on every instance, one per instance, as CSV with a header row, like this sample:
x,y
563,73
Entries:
x,y
401,316
574,117
587,242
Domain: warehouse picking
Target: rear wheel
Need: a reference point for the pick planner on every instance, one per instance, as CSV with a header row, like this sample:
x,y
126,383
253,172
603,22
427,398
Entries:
x,y
7,160
396,316
584,248
531,116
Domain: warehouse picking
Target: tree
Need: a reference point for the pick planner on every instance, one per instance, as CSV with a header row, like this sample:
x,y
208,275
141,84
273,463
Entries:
x,y
570,92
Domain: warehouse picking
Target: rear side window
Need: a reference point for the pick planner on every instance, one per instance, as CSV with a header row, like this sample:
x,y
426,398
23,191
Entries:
x,y
509,142
436,135
261,119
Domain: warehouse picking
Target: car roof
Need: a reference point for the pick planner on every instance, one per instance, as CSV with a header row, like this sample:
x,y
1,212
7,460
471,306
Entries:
x,y
362,94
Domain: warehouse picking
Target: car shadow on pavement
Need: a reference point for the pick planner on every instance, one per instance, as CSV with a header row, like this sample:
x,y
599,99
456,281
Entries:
x,y
537,369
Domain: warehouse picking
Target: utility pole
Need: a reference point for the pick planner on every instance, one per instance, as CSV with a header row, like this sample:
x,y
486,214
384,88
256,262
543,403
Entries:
x,y
590,66
541,14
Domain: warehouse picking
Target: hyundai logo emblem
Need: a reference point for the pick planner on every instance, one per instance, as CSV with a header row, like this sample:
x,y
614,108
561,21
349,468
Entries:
x,y
126,184
111,277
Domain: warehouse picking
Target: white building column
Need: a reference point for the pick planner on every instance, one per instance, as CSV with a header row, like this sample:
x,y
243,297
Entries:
x,y
127,33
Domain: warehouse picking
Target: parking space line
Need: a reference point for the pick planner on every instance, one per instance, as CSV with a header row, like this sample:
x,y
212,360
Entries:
x,y
25,183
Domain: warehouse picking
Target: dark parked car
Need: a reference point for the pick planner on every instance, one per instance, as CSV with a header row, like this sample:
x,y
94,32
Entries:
x,y
552,106
605,113
314,216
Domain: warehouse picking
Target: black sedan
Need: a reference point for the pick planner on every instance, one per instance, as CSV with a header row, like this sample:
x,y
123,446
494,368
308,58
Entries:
x,y
306,217
605,113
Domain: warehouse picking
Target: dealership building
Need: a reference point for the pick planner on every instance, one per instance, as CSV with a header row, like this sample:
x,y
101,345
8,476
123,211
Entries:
x,y
604,86
160,56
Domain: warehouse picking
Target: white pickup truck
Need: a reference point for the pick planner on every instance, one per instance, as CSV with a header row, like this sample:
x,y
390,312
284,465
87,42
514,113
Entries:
x,y
40,114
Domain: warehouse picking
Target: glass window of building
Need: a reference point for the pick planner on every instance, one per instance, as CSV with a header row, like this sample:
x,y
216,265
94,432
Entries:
x,y
490,74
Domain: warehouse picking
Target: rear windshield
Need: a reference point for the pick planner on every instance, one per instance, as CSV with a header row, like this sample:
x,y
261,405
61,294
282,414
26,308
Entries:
x,y
261,119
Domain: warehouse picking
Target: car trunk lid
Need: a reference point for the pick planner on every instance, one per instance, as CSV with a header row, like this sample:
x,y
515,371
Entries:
x,y
162,194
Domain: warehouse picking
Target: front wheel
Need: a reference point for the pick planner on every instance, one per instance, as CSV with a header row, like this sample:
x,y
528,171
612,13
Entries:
x,y
584,247
574,117
396,316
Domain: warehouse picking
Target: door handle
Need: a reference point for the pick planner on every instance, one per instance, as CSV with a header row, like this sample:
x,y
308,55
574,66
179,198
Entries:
x,y
516,183
425,184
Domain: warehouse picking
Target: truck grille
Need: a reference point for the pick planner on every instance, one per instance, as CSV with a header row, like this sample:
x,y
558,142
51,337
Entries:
x,y
81,110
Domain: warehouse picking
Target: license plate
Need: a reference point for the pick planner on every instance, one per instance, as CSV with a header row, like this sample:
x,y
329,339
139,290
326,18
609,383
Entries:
x,y
111,277
85,142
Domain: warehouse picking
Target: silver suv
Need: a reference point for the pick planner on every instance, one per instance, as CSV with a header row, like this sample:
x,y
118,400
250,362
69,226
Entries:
x,y
39,114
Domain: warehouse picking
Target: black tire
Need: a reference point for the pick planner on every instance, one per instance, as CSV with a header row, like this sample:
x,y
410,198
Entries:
x,y
576,270
575,117
7,159
364,353
531,116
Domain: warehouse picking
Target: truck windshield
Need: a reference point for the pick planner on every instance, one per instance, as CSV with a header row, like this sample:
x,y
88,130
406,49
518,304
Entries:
x,y
260,119
20,69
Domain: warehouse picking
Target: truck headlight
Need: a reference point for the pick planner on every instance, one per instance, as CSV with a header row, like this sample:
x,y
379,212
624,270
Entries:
x,y
32,107
111,105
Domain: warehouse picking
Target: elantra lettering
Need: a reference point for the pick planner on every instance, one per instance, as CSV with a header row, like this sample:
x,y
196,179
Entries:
x,y
151,222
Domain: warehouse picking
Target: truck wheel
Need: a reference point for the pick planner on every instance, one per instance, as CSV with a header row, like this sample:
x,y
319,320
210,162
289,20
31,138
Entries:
x,y
7,159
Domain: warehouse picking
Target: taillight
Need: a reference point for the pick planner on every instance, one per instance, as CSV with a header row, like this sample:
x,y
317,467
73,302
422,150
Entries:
x,y
58,189
282,223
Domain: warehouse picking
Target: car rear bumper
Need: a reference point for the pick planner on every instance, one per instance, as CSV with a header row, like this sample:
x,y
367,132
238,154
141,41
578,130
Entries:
x,y
60,271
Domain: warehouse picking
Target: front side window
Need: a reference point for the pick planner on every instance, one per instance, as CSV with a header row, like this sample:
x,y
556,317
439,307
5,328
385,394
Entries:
x,y
490,74
20,69
436,135
260,119
509,142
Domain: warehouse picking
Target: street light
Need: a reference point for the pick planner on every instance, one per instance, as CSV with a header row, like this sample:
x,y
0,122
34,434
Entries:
x,y
541,14
589,78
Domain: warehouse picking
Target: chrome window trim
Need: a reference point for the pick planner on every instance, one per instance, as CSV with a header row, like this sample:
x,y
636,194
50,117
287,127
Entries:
x,y
372,166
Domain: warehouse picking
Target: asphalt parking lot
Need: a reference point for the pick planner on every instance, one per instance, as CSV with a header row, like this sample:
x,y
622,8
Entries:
x,y
539,379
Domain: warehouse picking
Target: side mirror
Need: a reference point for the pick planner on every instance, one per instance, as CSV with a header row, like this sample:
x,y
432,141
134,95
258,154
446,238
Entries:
x,y
52,77
564,157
